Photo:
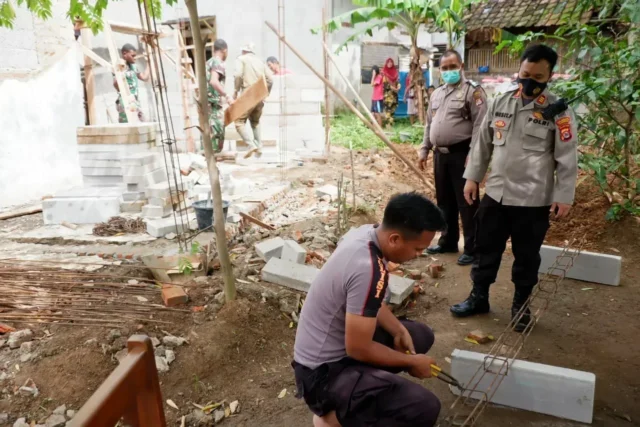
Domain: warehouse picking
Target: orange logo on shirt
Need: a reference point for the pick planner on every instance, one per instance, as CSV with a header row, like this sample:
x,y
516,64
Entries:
x,y
563,122
537,115
541,99
501,124
498,134
383,273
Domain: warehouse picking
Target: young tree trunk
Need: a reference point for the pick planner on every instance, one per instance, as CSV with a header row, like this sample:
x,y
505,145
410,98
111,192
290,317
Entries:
x,y
214,176
417,79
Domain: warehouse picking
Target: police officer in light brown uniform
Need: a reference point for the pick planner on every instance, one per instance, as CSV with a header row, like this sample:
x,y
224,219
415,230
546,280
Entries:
x,y
455,113
534,167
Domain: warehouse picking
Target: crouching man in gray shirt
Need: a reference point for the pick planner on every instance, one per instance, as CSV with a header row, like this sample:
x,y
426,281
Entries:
x,y
349,346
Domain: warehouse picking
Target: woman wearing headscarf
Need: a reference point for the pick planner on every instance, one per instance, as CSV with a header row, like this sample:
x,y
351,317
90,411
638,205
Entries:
x,y
391,87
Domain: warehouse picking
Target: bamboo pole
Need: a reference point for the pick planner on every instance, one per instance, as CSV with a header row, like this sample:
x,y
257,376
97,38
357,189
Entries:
x,y
376,129
89,82
327,117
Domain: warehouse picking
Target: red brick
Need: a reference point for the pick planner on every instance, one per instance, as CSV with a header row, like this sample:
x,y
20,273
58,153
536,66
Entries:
x,y
173,295
434,271
130,256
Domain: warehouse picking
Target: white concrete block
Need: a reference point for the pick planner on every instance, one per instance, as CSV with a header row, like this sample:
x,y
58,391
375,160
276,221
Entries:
x,y
312,95
149,211
551,390
162,227
132,207
292,251
100,163
271,248
134,196
81,210
141,169
588,266
163,189
94,171
91,192
143,181
110,148
399,288
140,159
289,274
118,129
102,181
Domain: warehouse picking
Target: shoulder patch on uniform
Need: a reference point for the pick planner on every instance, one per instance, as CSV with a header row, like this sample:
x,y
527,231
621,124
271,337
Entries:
x,y
378,284
472,83
564,127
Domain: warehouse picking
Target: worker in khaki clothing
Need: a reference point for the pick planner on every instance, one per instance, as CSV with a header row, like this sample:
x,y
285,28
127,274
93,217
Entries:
x,y
533,172
248,70
455,113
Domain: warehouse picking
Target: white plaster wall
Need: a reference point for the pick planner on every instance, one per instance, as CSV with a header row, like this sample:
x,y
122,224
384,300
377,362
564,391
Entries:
x,y
34,44
38,119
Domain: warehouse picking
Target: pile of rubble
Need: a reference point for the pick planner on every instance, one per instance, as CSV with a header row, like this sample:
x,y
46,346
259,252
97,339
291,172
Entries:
x,y
61,417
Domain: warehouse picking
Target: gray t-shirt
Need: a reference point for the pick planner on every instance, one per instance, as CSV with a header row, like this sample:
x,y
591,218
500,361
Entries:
x,y
354,280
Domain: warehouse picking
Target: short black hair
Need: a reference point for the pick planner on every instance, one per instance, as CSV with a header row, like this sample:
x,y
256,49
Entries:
x,y
539,52
450,52
412,214
431,87
272,60
128,48
219,45
375,68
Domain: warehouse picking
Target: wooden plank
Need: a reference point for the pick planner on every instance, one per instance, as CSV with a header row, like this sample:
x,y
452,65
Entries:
x,y
89,81
257,221
118,68
90,54
123,28
249,98
23,212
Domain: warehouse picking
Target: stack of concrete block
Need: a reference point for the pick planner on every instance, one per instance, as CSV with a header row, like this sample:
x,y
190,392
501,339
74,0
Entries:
x,y
102,148
161,198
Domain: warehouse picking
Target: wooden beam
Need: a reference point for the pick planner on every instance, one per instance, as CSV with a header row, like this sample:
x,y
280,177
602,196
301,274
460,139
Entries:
x,y
88,52
373,126
89,81
118,67
257,221
122,28
23,212
174,62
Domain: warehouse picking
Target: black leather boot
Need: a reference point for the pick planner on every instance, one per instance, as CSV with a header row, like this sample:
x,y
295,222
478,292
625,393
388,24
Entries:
x,y
476,303
520,297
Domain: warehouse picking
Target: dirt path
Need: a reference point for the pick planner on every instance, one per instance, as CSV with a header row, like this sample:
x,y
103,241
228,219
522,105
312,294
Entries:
x,y
243,351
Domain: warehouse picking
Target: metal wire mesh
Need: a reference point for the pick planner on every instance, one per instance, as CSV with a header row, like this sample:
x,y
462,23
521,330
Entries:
x,y
167,131
509,344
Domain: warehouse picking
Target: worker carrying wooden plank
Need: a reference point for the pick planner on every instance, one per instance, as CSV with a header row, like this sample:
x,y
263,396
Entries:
x,y
248,70
216,93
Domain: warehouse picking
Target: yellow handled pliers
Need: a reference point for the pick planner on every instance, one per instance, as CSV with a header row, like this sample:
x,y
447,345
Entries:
x,y
437,372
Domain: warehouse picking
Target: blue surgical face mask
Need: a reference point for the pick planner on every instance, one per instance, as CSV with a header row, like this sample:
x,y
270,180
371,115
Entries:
x,y
451,77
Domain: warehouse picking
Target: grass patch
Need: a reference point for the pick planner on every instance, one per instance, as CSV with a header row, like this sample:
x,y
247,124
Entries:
x,y
347,128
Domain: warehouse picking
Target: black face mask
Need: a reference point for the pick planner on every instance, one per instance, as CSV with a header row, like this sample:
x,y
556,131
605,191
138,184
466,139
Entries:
x,y
532,87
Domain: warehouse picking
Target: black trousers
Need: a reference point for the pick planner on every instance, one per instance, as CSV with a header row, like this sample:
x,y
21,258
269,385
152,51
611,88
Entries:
x,y
364,395
526,226
448,171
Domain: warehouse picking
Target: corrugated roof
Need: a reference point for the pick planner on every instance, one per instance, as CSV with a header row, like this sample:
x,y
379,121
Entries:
x,y
518,13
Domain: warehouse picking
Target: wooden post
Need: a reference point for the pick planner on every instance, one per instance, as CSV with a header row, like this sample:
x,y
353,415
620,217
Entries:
x,y
327,109
212,166
89,82
374,127
127,98
188,132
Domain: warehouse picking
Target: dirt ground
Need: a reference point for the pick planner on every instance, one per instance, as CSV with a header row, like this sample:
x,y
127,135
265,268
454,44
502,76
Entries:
x,y
242,351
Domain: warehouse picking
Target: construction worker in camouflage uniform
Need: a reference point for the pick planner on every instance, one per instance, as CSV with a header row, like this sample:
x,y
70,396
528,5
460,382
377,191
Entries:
x,y
132,75
216,93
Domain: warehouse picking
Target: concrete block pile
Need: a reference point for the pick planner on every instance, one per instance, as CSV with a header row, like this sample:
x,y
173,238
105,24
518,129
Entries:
x,y
102,148
286,267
